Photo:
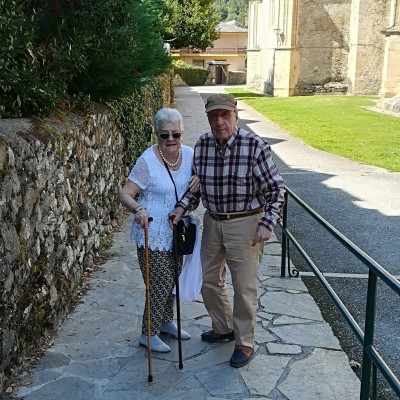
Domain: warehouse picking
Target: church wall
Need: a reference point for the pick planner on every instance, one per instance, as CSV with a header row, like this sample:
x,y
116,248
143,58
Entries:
x,y
391,86
367,45
261,43
260,70
335,46
391,65
323,41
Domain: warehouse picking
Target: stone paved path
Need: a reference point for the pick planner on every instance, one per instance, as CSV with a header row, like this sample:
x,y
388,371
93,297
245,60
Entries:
x,y
96,355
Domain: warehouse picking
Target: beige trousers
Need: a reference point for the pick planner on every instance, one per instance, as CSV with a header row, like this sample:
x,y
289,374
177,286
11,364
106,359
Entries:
x,y
229,243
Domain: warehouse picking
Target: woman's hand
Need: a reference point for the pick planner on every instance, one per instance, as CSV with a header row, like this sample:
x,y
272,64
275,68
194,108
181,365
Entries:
x,y
142,218
194,184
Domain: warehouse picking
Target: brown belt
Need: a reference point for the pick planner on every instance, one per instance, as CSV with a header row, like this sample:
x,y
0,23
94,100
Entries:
x,y
227,217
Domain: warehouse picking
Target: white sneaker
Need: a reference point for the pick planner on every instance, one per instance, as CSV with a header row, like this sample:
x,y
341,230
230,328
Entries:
x,y
172,329
156,343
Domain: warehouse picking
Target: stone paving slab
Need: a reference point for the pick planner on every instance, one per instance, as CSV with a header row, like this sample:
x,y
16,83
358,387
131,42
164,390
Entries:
x,y
96,355
294,305
277,348
313,335
263,373
312,378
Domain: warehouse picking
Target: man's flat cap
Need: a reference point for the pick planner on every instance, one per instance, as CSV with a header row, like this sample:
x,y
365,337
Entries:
x,y
221,101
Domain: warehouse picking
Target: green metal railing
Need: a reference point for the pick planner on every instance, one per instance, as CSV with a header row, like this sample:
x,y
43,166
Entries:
x,y
372,360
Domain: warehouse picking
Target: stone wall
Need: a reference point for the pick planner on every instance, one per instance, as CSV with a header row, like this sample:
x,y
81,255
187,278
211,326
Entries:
x,y
236,78
306,89
323,41
339,43
260,71
367,46
178,81
391,70
59,182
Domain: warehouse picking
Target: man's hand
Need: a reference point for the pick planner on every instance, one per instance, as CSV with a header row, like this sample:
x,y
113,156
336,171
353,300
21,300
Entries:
x,y
262,235
175,216
194,184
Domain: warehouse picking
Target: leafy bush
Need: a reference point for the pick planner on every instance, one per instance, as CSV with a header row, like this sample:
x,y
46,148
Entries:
x,y
126,49
33,76
53,51
191,74
134,115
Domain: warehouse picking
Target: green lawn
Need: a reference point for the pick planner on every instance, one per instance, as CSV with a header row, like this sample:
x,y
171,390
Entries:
x,y
336,124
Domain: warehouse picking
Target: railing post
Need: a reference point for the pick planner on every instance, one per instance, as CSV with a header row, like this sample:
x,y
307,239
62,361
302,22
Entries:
x,y
374,382
368,336
284,238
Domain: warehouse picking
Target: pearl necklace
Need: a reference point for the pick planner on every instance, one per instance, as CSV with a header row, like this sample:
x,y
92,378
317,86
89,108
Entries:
x,y
172,165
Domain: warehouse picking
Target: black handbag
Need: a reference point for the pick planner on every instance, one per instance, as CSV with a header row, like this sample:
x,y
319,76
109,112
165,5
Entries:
x,y
185,236
185,230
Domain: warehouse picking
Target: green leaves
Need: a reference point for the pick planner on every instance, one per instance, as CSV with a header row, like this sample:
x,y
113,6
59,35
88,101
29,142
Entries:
x,y
192,75
52,51
233,10
127,52
190,23
134,113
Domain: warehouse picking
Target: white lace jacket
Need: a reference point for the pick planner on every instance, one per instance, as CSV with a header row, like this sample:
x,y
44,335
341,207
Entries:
x,y
157,195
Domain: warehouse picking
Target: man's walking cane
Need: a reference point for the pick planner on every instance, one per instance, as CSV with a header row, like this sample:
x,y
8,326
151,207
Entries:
x,y
146,258
178,303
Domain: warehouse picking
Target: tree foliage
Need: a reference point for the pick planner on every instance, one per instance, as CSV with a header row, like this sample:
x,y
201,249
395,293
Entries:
x,y
127,48
229,10
190,23
55,50
34,68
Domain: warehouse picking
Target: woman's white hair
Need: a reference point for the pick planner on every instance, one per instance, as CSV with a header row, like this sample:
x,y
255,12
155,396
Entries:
x,y
167,115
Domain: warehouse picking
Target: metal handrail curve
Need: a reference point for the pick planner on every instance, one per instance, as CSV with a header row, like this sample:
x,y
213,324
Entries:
x,y
372,360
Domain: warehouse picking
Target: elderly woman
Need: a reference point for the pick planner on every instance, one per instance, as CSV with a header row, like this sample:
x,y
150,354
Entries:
x,y
157,199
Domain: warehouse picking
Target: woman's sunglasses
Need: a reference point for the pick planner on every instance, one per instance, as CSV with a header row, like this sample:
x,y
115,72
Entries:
x,y
167,135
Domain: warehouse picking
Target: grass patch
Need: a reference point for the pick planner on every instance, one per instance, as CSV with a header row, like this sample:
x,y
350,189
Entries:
x,y
339,125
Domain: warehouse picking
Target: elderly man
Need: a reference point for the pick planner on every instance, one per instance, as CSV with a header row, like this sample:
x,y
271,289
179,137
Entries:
x,y
243,194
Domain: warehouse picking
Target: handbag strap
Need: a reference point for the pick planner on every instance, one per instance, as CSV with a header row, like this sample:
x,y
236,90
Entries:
x,y
172,179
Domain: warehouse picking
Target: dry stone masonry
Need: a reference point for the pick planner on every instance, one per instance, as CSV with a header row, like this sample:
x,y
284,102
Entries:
x,y
59,181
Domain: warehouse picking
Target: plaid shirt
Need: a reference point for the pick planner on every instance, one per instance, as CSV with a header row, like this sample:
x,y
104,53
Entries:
x,y
241,176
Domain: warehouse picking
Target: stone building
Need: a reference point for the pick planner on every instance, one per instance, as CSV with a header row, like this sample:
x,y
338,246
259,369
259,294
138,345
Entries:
x,y
300,47
390,89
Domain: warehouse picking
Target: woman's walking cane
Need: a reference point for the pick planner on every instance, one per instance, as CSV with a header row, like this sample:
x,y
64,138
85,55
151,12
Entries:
x,y
146,258
178,304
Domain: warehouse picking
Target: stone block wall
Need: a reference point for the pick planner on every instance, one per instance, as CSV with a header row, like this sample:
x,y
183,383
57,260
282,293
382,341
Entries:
x,y
59,184
236,78
330,88
260,71
324,43
178,81
391,70
367,46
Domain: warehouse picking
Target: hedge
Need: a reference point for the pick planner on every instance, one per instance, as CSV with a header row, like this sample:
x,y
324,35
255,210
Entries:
x,y
190,74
